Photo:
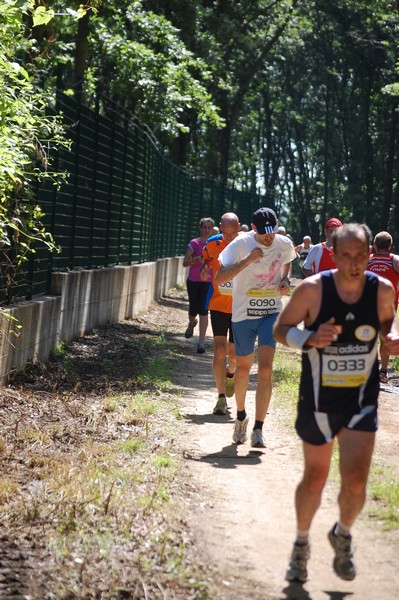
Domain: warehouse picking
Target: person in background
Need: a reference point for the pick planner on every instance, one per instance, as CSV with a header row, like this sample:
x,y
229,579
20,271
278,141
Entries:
x,y
197,289
343,311
215,230
282,231
220,307
244,227
258,263
320,256
303,250
385,264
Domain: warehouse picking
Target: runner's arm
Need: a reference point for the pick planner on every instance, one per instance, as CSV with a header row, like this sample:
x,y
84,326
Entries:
x,y
225,274
307,267
386,315
284,286
301,308
207,262
189,259
395,262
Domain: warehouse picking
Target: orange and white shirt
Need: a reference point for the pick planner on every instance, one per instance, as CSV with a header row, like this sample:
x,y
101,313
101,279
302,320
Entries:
x,y
220,296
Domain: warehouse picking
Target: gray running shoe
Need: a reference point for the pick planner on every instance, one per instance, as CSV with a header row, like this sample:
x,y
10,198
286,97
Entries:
x,y
240,431
220,406
343,563
190,330
201,348
257,439
297,570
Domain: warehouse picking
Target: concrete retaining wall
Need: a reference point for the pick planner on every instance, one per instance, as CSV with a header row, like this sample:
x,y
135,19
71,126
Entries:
x,y
80,301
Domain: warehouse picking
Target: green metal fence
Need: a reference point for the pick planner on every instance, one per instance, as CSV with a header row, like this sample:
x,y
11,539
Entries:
x,y
124,201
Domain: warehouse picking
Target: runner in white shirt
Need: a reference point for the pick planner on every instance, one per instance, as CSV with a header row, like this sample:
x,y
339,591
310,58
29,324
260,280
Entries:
x,y
258,262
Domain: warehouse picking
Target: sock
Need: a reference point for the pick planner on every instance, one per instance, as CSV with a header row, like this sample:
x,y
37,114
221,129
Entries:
x,y
222,396
229,375
258,425
241,415
341,529
302,536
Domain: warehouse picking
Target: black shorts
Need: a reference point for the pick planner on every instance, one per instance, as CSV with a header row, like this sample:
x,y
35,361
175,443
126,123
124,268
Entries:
x,y
221,324
197,296
318,428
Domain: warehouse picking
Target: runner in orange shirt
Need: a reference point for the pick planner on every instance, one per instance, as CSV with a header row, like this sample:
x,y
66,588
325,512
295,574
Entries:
x,y
220,307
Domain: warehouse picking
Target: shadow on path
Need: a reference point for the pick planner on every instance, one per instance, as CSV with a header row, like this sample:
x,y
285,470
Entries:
x,y
296,591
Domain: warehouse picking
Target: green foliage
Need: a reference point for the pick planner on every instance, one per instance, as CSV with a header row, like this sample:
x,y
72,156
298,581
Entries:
x,y
149,69
295,99
27,136
42,15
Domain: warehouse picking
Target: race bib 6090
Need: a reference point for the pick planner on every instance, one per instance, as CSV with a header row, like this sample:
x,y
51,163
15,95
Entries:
x,y
261,303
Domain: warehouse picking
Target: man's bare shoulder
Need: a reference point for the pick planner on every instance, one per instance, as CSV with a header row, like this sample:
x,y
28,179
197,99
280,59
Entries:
x,y
310,285
384,285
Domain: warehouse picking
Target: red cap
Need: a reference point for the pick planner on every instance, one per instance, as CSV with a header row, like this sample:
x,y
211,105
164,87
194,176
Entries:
x,y
333,223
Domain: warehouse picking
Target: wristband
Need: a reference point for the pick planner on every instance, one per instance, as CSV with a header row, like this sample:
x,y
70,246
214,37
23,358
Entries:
x,y
297,338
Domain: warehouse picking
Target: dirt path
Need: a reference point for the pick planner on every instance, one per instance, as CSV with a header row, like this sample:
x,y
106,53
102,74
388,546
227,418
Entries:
x,y
242,515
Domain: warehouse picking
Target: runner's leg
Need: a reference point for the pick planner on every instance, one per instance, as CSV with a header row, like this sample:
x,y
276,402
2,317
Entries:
x,y
355,452
264,385
308,493
243,367
219,362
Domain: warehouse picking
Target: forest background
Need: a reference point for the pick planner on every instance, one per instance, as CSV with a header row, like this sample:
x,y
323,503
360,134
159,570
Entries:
x,y
298,100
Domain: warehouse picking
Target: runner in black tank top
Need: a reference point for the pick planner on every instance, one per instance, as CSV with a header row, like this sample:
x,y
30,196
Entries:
x,y
344,311
339,383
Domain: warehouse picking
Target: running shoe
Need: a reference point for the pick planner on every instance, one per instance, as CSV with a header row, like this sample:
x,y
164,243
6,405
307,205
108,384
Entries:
x,y
297,570
240,431
383,376
343,563
229,387
190,330
257,439
201,348
220,406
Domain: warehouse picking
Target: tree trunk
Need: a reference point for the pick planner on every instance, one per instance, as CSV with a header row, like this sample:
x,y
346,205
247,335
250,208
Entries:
x,y
81,52
390,163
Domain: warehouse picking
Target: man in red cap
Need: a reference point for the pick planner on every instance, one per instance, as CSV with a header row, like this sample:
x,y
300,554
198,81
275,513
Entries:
x,y
319,258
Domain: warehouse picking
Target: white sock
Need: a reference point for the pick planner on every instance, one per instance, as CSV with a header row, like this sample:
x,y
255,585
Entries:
x,y
302,536
341,529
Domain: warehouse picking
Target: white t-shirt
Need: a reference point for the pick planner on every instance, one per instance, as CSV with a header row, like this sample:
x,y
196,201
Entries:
x,y
313,259
255,288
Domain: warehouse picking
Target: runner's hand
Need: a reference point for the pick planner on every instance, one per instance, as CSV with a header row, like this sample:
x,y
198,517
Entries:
x,y
325,334
391,343
255,255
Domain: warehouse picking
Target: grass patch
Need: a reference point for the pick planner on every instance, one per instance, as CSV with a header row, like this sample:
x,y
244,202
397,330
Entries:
x,y
8,489
286,376
157,375
102,488
383,492
394,362
132,446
